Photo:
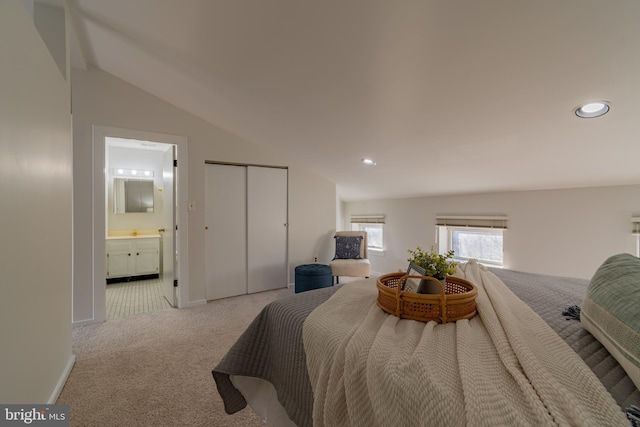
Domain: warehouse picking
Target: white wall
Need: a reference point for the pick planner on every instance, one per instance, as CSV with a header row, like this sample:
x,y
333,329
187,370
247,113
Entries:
x,y
560,232
36,189
101,99
49,20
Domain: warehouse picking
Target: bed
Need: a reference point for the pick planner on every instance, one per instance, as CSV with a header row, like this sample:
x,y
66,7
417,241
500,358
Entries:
x,y
268,365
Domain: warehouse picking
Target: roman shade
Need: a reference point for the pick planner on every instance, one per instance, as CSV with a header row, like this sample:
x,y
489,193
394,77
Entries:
x,y
475,221
367,219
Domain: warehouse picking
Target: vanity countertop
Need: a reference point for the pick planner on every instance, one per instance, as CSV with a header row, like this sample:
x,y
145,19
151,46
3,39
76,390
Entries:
x,y
139,236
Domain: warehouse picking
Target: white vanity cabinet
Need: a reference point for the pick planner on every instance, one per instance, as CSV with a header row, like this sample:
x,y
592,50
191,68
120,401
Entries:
x,y
134,256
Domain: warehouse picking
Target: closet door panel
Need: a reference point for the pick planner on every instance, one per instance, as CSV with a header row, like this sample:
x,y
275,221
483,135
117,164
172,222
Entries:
x,y
267,228
226,231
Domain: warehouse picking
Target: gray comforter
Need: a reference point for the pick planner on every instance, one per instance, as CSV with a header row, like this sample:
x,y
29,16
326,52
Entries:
x,y
271,348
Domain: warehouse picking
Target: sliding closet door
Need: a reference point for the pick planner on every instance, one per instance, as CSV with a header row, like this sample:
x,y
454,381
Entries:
x,y
226,231
267,228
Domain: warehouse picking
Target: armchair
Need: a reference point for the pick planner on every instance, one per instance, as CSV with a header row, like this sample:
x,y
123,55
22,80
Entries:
x,y
350,262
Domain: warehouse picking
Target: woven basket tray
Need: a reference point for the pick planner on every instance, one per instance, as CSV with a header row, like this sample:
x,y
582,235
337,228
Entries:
x,y
456,301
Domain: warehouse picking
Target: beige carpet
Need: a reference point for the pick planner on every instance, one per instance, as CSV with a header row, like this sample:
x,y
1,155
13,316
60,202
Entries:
x,y
155,369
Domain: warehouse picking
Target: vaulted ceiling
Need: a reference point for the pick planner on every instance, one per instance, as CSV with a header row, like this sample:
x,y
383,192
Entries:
x,y
448,97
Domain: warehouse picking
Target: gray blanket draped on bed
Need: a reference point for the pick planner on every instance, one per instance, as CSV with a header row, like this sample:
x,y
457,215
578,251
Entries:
x,y
271,348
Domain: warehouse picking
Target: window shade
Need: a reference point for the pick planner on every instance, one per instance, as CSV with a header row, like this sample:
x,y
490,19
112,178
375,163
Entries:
x,y
367,219
472,221
636,225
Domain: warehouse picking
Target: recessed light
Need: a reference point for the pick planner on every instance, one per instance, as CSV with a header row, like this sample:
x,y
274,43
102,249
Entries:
x,y
592,109
368,162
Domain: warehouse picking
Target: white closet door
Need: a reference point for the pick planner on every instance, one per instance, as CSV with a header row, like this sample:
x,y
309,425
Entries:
x,y
226,231
267,228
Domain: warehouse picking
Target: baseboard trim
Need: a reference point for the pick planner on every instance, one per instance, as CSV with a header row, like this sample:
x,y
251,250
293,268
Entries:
x,y
86,322
195,303
62,381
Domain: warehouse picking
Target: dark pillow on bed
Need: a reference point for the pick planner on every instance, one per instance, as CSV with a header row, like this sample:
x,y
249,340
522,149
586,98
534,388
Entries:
x,y
347,247
611,311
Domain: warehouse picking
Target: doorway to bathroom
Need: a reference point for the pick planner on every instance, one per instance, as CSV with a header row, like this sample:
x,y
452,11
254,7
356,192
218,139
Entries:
x,y
140,226
100,204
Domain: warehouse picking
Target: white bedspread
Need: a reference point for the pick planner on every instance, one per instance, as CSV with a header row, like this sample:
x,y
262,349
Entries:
x,y
503,367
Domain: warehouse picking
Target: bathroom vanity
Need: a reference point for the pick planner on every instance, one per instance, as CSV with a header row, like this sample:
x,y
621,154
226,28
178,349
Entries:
x,y
131,258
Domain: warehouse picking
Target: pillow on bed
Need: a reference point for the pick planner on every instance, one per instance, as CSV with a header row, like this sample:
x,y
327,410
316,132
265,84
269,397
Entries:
x,y
611,310
348,247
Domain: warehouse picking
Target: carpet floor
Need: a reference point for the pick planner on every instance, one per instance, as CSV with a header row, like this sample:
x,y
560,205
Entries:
x,y
154,369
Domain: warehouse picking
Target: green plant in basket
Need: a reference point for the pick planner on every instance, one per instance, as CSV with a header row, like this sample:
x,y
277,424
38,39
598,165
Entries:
x,y
435,264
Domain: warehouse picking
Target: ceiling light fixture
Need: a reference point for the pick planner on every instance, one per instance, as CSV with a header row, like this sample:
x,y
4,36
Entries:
x,y
592,109
368,162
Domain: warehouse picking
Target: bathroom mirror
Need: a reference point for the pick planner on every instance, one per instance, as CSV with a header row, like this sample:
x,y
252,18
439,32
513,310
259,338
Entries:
x,y
132,195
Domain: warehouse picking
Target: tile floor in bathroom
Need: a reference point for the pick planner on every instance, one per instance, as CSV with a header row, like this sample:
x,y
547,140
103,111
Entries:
x,y
136,297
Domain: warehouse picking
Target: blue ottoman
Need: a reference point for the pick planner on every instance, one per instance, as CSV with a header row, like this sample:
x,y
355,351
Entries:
x,y
313,276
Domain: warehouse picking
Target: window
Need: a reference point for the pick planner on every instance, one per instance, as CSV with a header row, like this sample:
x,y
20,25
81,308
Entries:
x,y
483,244
473,237
374,226
375,239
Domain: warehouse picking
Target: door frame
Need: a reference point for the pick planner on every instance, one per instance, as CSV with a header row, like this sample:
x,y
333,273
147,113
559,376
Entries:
x,y
99,212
